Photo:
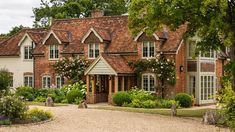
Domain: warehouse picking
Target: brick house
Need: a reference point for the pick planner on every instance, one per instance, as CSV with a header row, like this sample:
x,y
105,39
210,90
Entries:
x,y
109,45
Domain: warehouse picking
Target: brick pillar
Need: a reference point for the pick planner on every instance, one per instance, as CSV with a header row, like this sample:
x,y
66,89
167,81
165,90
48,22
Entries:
x,y
88,89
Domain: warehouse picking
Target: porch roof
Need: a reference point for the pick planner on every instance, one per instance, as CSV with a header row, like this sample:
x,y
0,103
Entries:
x,y
109,65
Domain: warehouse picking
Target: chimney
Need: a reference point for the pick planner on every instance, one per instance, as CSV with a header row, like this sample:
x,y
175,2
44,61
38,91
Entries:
x,y
97,13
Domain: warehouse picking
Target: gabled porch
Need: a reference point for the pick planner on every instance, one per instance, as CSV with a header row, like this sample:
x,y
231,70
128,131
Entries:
x,y
107,75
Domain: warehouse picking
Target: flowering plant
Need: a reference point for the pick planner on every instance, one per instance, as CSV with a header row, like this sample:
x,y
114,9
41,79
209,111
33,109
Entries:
x,y
71,68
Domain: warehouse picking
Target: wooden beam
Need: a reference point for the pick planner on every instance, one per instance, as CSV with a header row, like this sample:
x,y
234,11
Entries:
x,y
110,85
88,84
123,83
115,84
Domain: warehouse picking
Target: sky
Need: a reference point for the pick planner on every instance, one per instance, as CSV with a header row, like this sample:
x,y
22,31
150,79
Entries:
x,y
15,13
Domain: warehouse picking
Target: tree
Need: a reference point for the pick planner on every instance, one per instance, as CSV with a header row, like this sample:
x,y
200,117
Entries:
x,y
75,9
5,80
213,21
12,32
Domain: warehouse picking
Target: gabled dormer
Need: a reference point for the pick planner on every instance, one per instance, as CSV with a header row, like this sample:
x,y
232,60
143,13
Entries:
x,y
55,42
26,45
147,45
96,40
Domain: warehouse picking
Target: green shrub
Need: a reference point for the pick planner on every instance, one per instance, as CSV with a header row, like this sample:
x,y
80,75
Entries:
x,y
73,95
40,99
81,86
141,95
41,92
5,80
120,98
5,122
136,103
12,107
167,103
26,92
184,99
149,104
37,115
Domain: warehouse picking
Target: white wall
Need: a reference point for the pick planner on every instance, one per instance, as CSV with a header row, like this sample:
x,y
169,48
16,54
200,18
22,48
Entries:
x,y
17,65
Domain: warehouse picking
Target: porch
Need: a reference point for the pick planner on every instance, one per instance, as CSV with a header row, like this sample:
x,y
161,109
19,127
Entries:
x,y
107,75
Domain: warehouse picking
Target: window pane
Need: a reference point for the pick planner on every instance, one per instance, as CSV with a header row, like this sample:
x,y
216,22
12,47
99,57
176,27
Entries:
x,y
48,82
56,52
145,49
51,51
151,49
91,52
202,88
30,81
44,82
145,82
30,53
97,52
151,83
26,81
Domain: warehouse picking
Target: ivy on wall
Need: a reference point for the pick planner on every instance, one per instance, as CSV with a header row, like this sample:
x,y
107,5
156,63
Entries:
x,y
163,68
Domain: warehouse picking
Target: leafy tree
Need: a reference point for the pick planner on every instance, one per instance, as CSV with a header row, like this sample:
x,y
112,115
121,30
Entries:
x,y
75,9
211,20
5,80
12,32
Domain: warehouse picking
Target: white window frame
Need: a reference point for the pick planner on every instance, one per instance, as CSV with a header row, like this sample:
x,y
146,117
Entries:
x,y
93,48
209,58
148,50
53,48
149,75
61,84
191,44
28,52
28,76
46,84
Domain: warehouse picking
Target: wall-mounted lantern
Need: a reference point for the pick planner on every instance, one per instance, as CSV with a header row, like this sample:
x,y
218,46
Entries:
x,y
181,68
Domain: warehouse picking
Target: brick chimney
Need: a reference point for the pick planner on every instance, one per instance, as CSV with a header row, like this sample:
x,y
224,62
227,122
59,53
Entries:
x,y
97,13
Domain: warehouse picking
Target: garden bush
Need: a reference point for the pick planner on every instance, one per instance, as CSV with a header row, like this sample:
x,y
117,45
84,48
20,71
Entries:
x,y
74,95
136,103
12,107
184,100
5,79
40,99
141,95
37,115
26,92
149,104
120,98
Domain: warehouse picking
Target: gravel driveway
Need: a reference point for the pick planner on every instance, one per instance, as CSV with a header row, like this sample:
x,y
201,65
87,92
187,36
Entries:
x,y
71,119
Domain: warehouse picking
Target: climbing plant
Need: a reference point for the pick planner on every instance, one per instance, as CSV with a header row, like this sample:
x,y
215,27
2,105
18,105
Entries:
x,y
71,68
163,68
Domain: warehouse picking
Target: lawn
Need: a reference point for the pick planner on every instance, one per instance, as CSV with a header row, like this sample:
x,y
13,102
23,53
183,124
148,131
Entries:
x,y
43,104
180,112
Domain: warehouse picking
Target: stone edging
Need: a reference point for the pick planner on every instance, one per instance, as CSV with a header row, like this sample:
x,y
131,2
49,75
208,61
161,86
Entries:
x,y
27,124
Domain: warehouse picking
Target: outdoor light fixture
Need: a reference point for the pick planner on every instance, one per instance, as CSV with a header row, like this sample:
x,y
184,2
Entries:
x,y
110,77
92,77
181,68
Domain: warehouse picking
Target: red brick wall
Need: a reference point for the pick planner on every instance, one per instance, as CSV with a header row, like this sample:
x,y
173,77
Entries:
x,y
181,76
219,72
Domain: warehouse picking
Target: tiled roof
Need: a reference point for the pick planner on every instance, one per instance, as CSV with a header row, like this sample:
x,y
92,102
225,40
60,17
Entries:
x,y
10,46
104,33
63,35
37,37
73,48
120,66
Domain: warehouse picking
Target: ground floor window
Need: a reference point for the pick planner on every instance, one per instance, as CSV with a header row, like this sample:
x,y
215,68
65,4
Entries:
x,y
46,81
207,87
59,82
28,81
148,82
192,85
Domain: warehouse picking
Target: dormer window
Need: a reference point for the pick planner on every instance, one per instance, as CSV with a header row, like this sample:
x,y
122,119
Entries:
x,y
28,52
53,52
93,51
148,49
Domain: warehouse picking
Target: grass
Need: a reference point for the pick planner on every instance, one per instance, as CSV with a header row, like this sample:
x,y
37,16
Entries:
x,y
43,104
180,112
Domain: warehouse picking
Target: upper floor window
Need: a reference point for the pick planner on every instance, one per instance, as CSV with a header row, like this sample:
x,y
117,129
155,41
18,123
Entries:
x,y
208,54
148,49
28,53
46,81
28,81
54,52
148,82
59,81
94,51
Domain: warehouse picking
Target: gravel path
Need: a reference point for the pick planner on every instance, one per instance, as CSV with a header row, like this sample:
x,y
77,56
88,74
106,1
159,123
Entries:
x,y
71,119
